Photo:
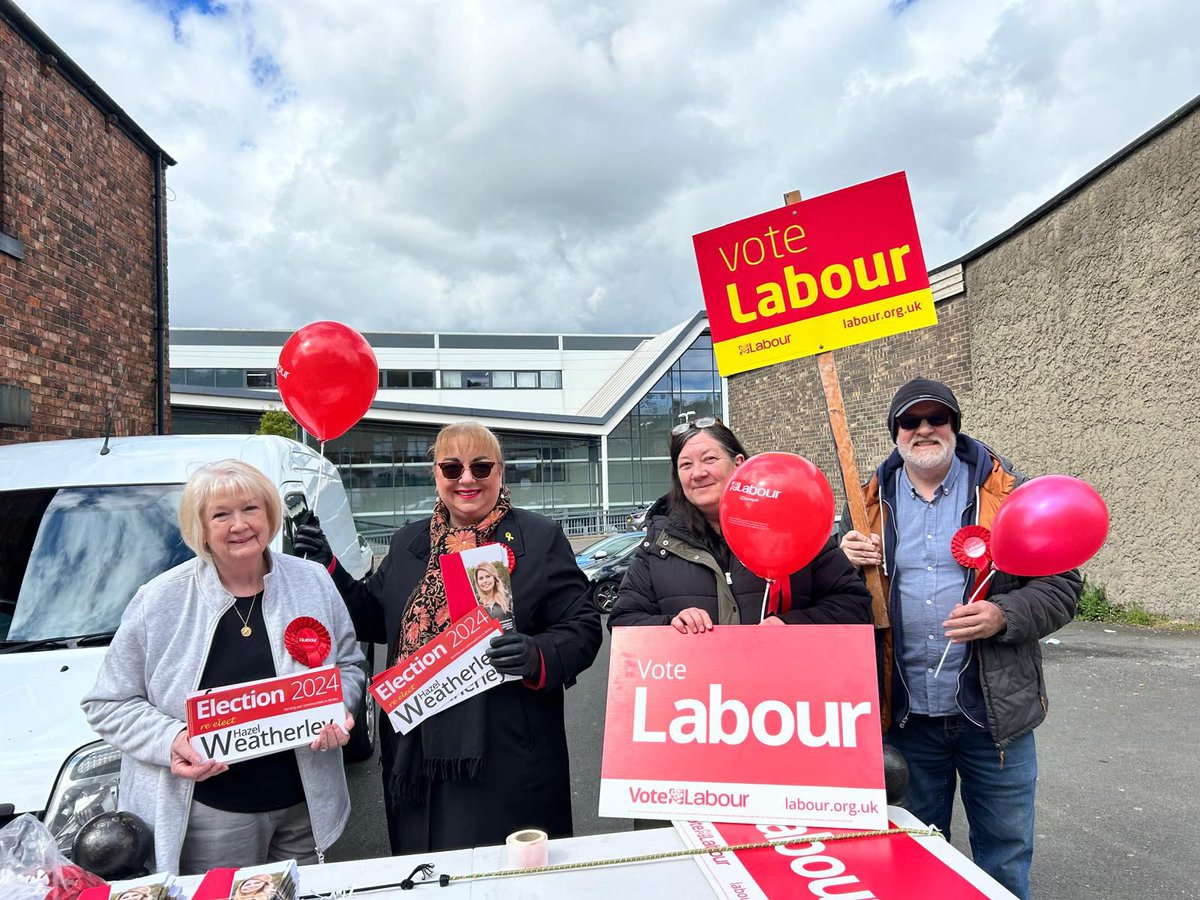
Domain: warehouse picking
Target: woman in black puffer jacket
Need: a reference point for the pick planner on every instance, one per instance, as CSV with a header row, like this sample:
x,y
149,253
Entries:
x,y
685,575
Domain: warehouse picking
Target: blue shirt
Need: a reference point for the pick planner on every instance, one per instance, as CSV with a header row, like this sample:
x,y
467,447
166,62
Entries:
x,y
930,584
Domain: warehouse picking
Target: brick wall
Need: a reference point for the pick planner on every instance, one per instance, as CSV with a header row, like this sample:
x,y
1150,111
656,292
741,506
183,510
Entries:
x,y
1071,351
783,407
79,195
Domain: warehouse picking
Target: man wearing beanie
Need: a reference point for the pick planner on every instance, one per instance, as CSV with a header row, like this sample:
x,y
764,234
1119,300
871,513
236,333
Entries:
x,y
974,722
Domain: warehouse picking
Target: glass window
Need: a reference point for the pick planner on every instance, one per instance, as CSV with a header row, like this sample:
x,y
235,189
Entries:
x,y
422,379
477,379
260,378
179,376
502,379
551,379
231,378
696,381
451,379
202,377
395,378
527,379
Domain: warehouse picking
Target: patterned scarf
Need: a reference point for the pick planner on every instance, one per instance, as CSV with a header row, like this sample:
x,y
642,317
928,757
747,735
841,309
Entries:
x,y
451,745
427,614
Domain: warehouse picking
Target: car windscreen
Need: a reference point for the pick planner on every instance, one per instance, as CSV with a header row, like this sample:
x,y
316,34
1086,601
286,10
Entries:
x,y
71,559
610,545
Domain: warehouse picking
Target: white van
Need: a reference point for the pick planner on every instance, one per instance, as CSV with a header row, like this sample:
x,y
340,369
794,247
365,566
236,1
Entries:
x,y
81,529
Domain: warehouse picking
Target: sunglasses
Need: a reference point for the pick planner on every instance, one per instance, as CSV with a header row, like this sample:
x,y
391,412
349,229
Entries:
x,y
912,423
702,422
454,470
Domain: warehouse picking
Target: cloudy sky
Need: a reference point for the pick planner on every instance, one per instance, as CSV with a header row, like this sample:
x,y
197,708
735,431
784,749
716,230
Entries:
x,y
517,165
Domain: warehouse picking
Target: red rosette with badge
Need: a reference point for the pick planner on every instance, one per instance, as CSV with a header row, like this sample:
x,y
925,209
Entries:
x,y
307,640
971,547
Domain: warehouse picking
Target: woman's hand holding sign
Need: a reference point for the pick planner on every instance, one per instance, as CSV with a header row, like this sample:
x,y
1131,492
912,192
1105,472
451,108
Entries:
x,y
187,763
332,736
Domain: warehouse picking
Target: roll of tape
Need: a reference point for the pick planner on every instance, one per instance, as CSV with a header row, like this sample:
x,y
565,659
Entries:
x,y
527,849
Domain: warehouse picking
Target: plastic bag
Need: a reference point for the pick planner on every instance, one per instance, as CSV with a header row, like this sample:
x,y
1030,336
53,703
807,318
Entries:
x,y
32,868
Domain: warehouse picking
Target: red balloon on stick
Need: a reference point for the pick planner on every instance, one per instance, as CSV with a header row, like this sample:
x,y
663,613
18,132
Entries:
x,y
1048,525
327,377
776,513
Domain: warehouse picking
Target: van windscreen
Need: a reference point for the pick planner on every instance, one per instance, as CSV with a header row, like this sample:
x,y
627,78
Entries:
x,y
71,559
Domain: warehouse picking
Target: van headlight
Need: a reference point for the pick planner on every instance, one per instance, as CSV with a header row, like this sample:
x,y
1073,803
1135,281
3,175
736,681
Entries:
x,y
86,787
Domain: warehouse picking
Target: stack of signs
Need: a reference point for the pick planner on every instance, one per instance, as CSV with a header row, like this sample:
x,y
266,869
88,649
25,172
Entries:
x,y
151,887
254,718
885,867
444,672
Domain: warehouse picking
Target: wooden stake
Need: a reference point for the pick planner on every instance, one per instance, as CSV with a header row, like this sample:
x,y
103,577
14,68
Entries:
x,y
845,452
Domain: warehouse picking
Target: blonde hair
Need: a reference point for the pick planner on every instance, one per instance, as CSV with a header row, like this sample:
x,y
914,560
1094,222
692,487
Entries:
x,y
500,593
468,436
221,479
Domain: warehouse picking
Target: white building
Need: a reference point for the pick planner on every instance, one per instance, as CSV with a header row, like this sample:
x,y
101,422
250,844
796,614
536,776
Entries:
x,y
584,420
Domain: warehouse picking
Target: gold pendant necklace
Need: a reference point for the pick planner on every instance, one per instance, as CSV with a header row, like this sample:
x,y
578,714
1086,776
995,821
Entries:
x,y
246,629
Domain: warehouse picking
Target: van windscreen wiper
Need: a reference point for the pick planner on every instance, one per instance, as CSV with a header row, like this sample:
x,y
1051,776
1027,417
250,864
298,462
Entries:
x,y
96,639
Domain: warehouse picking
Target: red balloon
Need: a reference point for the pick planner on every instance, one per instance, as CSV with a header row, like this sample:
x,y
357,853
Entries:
x,y
776,513
327,377
1048,525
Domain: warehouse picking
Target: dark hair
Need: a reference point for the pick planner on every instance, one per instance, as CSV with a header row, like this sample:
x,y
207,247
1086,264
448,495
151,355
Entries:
x,y
693,519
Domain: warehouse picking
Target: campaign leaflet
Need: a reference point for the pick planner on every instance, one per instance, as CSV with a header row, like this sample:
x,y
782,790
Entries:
x,y
444,672
884,867
160,886
479,576
254,718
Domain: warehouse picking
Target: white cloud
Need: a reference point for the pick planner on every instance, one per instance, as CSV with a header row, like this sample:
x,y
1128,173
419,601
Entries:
x,y
543,165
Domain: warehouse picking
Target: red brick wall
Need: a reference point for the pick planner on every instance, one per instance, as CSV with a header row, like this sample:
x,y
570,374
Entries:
x,y
782,407
79,195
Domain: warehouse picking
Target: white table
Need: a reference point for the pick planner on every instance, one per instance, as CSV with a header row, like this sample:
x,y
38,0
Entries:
x,y
674,879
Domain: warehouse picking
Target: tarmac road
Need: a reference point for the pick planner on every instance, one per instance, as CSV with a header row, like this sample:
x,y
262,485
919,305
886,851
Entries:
x,y
1119,757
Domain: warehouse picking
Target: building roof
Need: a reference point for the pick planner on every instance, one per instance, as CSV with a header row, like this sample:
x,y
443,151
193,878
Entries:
x,y
1075,187
82,82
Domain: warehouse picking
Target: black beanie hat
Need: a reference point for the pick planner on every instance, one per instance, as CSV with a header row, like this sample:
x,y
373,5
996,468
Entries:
x,y
923,389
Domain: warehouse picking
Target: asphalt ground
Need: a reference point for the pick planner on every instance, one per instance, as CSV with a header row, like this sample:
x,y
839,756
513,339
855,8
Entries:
x,y
1119,774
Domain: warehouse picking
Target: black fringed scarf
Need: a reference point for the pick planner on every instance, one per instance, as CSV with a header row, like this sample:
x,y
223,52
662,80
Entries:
x,y
451,745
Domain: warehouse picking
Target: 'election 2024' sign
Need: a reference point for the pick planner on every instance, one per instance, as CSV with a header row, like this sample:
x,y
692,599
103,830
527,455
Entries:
x,y
744,724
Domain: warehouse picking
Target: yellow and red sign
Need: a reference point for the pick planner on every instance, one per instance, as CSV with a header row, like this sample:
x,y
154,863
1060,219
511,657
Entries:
x,y
840,269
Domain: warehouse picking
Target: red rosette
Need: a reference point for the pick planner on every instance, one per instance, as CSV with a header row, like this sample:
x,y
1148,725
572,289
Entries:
x,y
510,559
307,640
971,547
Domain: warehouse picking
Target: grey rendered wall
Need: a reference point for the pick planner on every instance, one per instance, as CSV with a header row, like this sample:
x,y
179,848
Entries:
x,y
1083,355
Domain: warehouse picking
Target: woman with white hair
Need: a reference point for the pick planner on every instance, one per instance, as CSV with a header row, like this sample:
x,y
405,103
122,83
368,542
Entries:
x,y
216,620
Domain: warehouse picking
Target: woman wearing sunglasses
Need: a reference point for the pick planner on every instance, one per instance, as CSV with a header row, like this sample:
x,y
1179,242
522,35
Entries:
x,y
496,763
685,575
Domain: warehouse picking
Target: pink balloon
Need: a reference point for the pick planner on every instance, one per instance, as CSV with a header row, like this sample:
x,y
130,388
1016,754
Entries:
x,y
776,513
327,377
1048,525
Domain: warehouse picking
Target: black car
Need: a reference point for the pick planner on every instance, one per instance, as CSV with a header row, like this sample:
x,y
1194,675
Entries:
x,y
605,563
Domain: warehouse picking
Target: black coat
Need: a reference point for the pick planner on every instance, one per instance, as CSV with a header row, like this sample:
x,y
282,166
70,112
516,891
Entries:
x,y
662,581
525,779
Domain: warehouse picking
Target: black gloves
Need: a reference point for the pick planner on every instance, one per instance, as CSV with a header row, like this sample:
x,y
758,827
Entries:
x,y
515,654
309,542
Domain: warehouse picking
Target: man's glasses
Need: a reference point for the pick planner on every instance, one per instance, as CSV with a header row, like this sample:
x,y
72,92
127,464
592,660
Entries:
x,y
912,423
702,422
454,470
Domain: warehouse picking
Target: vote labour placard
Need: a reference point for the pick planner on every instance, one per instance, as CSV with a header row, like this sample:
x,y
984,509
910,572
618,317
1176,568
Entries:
x,y
744,724
254,718
444,672
886,867
839,269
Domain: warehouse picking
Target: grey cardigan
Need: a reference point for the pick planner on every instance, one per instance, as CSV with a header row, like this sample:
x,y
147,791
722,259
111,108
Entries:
x,y
156,659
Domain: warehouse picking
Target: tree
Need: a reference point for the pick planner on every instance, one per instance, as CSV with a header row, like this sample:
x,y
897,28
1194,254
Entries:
x,y
278,421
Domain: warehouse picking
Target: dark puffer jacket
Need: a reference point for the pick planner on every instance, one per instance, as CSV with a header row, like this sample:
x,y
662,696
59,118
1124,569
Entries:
x,y
673,570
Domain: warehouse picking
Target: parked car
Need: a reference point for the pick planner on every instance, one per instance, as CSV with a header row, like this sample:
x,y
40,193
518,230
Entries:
x,y
84,526
605,564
